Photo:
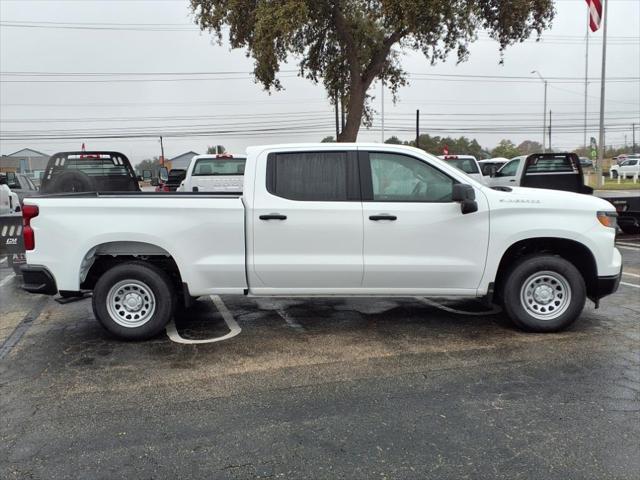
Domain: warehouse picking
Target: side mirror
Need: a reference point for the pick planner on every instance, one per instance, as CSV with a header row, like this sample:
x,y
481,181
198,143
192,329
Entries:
x,y
163,174
146,175
466,196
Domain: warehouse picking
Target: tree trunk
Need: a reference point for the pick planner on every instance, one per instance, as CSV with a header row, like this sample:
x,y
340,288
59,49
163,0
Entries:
x,y
355,110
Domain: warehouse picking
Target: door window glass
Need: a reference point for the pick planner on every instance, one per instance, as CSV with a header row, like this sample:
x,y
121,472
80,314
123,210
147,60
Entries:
x,y
310,176
398,178
509,170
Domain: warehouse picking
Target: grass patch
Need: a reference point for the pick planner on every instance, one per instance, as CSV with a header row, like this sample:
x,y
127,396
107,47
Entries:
x,y
610,184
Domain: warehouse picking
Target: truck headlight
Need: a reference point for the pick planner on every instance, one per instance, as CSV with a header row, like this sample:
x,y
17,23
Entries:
x,y
608,219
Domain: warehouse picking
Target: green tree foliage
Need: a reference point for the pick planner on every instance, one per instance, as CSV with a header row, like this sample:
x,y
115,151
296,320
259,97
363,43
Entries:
x,y
506,149
328,139
393,140
215,149
347,44
148,164
455,146
528,147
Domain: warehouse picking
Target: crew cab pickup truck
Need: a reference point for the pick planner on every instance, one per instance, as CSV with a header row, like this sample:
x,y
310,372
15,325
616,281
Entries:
x,y
321,219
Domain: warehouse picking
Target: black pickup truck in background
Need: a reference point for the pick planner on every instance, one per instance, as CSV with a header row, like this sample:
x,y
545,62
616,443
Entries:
x,y
93,171
627,205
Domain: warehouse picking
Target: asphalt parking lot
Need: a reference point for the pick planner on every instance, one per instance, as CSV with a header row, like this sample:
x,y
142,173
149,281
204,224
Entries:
x,y
322,388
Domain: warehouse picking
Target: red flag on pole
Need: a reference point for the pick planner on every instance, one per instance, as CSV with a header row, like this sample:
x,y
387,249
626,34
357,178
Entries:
x,y
595,14
445,150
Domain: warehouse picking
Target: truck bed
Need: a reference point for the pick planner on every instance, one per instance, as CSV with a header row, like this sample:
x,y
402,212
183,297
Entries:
x,y
203,232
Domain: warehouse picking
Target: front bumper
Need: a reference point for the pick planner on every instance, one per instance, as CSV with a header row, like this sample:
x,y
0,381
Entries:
x,y
607,285
38,279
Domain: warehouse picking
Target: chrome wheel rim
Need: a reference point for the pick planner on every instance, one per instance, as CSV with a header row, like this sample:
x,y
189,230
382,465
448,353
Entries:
x,y
131,303
545,295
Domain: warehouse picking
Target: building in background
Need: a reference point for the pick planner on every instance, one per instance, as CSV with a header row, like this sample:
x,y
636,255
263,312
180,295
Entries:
x,y
182,161
28,161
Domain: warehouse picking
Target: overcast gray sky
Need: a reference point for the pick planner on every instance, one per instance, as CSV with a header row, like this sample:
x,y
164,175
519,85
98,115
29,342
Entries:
x,y
156,37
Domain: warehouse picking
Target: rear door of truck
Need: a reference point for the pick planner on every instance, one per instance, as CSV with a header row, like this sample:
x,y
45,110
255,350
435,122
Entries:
x,y
306,234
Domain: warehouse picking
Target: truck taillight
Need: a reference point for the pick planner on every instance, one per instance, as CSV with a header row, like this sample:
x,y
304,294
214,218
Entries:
x,y
29,212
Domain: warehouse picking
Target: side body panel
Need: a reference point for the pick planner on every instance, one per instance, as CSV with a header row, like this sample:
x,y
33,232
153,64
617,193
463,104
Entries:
x,y
205,236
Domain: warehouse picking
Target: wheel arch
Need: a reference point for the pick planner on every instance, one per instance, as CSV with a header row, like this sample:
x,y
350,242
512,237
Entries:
x,y
573,251
106,255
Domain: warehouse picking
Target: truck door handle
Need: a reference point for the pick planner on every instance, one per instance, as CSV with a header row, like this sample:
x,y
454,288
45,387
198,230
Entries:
x,y
376,218
512,180
273,216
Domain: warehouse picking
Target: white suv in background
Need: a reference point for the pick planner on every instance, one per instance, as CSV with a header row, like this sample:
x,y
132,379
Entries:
x,y
214,173
629,167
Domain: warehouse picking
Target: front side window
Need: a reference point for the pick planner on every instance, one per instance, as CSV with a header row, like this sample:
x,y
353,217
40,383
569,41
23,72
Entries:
x,y
509,170
399,178
311,176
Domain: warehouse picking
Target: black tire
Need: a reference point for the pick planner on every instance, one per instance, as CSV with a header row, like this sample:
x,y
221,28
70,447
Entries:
x,y
71,181
543,293
14,266
147,278
630,229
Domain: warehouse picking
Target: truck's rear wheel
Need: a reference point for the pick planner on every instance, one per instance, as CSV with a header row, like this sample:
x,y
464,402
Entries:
x,y
134,300
544,293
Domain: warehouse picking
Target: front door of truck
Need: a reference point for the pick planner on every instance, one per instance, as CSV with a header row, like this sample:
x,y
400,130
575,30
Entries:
x,y
415,237
307,223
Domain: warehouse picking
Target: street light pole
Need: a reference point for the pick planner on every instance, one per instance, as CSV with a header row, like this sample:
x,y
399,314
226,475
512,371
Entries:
x,y
602,103
544,116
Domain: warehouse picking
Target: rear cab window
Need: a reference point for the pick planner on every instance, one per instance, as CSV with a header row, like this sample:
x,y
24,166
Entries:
x,y
219,166
98,165
556,164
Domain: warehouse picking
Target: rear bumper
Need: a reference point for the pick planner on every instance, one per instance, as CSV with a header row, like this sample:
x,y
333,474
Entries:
x,y
38,279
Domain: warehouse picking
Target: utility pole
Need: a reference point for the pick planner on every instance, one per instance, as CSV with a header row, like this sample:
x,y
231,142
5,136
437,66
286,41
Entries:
x,y
550,149
633,138
418,128
586,79
602,90
382,108
544,117
335,102
161,152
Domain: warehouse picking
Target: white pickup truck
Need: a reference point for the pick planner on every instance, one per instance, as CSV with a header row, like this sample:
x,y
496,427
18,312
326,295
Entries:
x,y
320,219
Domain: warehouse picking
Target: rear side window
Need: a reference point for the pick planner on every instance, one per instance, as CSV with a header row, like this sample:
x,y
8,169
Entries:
x,y
312,176
560,164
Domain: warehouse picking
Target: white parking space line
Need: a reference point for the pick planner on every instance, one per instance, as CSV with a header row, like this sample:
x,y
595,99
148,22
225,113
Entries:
x,y
234,328
3,259
6,280
631,274
630,284
289,319
627,244
635,249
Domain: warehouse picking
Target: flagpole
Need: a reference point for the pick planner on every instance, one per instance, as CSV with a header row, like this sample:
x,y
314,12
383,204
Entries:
x,y
602,84
586,82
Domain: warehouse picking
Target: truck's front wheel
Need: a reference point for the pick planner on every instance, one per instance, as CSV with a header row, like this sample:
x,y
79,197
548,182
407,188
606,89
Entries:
x,y
544,293
134,300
